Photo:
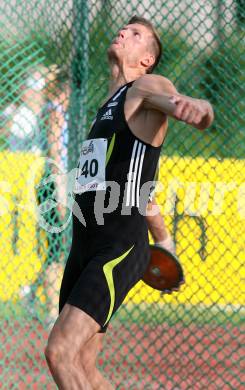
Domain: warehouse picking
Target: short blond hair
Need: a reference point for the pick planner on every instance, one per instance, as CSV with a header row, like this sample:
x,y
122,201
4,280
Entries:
x,y
156,43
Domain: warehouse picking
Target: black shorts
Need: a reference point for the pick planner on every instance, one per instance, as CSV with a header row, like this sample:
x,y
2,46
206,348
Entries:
x,y
97,280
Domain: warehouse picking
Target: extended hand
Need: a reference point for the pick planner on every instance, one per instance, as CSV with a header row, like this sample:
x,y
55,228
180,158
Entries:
x,y
195,112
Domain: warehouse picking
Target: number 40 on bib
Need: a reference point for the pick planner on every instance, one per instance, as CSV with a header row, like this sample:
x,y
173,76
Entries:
x,y
91,169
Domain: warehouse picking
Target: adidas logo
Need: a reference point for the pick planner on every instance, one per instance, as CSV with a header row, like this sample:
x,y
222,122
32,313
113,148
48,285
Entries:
x,y
112,104
107,115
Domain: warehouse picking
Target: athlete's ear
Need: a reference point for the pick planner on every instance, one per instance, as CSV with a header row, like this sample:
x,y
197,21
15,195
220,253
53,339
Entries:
x,y
148,61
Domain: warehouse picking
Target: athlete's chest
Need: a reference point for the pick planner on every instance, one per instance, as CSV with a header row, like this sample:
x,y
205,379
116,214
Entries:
x,y
110,117
106,123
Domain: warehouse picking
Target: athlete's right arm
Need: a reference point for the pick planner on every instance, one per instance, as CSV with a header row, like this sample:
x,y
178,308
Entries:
x,y
158,93
158,229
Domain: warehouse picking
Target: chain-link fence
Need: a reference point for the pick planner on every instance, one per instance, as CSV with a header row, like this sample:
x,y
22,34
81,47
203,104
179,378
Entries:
x,y
53,77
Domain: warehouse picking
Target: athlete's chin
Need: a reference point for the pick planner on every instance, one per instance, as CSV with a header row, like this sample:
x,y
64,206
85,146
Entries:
x,y
113,52
113,48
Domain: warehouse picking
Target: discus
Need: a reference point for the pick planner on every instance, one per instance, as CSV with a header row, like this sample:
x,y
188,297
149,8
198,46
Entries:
x,y
164,271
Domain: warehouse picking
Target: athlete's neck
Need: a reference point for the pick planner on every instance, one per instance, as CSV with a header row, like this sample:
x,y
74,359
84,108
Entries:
x,y
121,76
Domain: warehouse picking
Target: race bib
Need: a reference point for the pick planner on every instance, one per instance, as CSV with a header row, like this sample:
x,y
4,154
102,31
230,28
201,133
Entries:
x,y
91,170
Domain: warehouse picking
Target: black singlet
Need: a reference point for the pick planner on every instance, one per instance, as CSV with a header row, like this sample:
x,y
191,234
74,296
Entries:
x,y
110,254
131,163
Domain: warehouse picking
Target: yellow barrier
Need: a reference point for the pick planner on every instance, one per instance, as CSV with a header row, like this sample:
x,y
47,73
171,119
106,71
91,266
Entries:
x,y
216,274
21,260
198,218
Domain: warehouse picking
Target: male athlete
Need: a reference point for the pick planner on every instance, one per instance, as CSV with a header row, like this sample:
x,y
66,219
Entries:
x,y
107,259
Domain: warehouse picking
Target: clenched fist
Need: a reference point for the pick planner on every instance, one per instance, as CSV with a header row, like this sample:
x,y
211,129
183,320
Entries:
x,y
195,112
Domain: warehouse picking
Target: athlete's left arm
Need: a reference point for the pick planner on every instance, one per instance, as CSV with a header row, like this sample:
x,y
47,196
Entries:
x,y
158,93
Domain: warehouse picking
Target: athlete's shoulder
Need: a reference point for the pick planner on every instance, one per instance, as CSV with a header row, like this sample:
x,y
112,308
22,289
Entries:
x,y
153,83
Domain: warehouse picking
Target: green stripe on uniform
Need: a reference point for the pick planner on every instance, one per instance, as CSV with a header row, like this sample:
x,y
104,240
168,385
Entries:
x,y
110,149
108,271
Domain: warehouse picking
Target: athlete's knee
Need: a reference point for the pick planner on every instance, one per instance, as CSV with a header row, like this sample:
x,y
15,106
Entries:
x,y
57,352
53,354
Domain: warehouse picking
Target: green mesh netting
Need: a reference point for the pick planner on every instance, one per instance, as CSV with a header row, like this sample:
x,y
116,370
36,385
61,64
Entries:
x,y
53,76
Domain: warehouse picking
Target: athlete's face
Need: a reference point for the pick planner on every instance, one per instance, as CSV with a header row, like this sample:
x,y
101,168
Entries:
x,y
132,46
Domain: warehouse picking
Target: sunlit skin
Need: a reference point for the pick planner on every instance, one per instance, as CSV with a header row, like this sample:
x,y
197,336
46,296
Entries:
x,y
132,47
130,54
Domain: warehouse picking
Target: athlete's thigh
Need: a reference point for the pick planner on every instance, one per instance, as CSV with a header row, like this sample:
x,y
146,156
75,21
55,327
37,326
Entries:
x,y
106,280
73,329
76,262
